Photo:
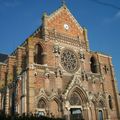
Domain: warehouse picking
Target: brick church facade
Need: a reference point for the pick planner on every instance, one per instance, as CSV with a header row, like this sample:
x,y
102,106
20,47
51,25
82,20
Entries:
x,y
54,73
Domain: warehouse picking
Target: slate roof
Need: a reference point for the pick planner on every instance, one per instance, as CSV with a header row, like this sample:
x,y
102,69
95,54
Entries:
x,y
3,57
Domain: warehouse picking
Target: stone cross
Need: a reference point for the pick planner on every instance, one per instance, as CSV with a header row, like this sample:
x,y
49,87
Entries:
x,y
63,2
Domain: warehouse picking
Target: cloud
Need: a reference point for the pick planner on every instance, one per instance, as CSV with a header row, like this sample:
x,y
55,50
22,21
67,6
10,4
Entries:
x,y
10,3
115,17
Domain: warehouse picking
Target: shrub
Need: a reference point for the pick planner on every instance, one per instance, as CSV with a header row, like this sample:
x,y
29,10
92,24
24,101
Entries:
x,y
25,117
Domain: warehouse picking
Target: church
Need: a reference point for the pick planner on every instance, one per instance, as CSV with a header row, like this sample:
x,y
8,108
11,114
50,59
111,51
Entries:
x,y
54,73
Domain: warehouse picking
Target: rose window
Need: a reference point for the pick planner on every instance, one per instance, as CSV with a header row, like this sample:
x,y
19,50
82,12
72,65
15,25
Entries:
x,y
69,61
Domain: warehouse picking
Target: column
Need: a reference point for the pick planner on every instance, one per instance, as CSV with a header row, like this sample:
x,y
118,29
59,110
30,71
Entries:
x,y
44,54
86,38
0,101
7,101
30,77
25,79
85,113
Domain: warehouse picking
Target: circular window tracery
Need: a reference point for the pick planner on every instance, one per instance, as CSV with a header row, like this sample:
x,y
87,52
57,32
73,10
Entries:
x,y
69,60
75,99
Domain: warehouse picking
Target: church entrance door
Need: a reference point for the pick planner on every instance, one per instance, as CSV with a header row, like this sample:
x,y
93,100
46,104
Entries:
x,y
76,114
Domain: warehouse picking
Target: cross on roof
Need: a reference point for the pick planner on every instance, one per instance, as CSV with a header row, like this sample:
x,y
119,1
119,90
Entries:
x,y
63,2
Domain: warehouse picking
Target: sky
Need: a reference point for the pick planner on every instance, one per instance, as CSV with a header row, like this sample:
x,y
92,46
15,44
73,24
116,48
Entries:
x,y
20,18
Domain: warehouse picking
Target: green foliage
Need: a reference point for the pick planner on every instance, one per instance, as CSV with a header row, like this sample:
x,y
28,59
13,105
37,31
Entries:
x,y
26,117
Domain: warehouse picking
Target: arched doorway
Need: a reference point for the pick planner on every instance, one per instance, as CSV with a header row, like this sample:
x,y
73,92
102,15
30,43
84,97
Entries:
x,y
76,114
75,110
41,108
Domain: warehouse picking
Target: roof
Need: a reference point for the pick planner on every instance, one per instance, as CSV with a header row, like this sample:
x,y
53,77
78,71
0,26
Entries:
x,y
51,16
3,57
101,53
55,13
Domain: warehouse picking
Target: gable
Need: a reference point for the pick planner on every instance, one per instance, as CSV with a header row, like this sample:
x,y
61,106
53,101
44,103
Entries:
x,y
3,57
64,22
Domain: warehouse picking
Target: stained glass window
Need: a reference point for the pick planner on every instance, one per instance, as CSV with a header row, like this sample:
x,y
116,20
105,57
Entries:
x,y
69,60
75,99
41,103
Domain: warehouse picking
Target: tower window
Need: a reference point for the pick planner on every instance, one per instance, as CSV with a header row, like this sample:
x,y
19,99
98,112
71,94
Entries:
x,y
110,102
93,65
105,69
38,56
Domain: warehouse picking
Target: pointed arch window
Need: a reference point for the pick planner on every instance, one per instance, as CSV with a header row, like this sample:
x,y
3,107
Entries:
x,y
75,99
100,115
110,102
41,104
93,65
38,54
101,104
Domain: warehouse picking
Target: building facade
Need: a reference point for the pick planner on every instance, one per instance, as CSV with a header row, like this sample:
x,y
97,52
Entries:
x,y
54,73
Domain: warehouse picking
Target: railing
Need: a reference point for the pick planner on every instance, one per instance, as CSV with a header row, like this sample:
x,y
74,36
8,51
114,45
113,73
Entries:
x,y
60,37
44,66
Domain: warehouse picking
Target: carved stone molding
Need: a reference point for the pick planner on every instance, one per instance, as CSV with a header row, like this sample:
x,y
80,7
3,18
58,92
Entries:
x,y
75,81
42,92
94,78
53,35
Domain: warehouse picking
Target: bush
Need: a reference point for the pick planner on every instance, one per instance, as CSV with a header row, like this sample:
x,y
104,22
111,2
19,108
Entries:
x,y
25,117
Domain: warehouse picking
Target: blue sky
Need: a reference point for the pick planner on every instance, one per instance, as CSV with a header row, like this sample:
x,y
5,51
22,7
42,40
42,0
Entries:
x,y
20,18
